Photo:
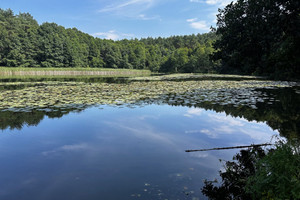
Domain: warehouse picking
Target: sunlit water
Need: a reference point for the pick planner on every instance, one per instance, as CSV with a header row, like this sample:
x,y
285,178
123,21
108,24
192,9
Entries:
x,y
121,153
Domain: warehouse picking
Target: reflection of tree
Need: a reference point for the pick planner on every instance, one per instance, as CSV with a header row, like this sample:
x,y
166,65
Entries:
x,y
16,120
234,178
258,174
281,114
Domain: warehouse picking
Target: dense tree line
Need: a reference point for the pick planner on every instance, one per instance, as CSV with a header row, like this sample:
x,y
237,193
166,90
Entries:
x,y
25,43
260,37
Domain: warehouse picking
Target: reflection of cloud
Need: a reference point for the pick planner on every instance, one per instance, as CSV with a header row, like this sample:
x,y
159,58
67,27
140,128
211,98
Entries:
x,y
225,129
193,111
230,121
143,117
225,124
144,131
209,133
256,130
73,147
205,131
199,154
257,135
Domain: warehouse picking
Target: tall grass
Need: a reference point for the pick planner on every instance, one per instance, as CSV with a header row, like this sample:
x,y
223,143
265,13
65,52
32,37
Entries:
x,y
16,71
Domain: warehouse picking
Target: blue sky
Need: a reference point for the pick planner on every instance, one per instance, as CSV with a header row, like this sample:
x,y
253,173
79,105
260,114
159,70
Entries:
x,y
118,19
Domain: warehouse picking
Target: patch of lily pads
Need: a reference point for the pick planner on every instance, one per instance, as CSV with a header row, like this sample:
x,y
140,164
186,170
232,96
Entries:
x,y
196,76
54,95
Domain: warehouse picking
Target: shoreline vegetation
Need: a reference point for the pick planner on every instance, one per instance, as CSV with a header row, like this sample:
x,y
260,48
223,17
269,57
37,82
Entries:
x,y
270,50
29,44
133,74
16,71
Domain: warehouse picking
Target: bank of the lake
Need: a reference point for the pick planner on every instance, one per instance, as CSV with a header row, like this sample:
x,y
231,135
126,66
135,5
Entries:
x,y
18,71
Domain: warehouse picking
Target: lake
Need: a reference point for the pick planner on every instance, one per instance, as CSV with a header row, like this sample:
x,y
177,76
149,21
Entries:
x,y
126,139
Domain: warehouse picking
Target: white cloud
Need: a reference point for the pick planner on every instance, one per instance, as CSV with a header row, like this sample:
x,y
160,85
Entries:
x,y
191,20
214,2
133,9
125,5
199,25
144,17
112,35
218,2
197,1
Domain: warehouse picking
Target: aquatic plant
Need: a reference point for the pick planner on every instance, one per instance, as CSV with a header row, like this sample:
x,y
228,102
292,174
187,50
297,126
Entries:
x,y
64,94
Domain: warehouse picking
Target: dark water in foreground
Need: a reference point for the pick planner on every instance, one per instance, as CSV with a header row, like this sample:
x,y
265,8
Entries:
x,y
106,152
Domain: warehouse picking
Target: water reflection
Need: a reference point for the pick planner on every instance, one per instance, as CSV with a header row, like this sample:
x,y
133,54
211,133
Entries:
x,y
85,79
117,153
279,108
17,120
21,83
118,79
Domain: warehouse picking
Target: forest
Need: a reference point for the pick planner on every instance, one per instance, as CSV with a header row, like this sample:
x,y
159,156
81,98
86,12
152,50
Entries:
x,y
25,43
259,37
253,37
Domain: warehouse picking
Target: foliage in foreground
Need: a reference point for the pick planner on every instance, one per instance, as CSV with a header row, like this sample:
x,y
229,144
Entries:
x,y
259,174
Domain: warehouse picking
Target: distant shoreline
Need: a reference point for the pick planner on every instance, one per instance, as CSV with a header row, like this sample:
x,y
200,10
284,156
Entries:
x,y
8,71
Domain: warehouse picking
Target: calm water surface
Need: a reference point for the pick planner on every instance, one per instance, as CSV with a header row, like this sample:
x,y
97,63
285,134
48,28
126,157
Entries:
x,y
121,153
105,152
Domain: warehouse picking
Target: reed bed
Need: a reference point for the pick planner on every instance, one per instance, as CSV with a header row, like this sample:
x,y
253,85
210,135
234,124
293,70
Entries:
x,y
4,71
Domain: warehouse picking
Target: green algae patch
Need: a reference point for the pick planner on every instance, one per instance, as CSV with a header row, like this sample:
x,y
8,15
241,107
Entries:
x,y
33,95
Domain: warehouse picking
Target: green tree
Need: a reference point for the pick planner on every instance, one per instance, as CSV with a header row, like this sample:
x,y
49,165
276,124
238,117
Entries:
x,y
259,37
25,43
